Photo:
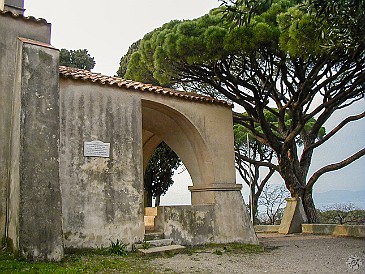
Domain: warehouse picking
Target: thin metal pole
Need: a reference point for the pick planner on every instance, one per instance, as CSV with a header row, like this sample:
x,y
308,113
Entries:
x,y
250,178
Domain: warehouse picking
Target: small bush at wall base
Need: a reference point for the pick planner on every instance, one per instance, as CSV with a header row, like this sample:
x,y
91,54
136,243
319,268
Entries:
x,y
119,248
146,245
217,252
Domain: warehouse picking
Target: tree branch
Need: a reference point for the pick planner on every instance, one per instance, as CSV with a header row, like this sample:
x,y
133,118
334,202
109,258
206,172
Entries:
x,y
259,163
334,131
333,167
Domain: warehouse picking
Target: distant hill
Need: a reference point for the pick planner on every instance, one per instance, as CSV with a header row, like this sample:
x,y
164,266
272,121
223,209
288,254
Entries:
x,y
332,197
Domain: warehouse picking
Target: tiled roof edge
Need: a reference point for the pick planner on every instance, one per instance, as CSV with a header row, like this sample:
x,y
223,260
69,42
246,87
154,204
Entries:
x,y
37,43
80,74
22,17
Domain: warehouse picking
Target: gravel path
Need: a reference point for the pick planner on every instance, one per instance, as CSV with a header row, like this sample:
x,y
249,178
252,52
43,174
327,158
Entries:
x,y
288,254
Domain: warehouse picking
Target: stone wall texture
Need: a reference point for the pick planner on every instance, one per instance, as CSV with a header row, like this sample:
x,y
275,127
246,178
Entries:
x,y
10,29
102,196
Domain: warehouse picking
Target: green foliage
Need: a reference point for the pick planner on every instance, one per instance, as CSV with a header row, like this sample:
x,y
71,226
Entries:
x,y
343,214
91,262
297,32
159,171
285,62
146,245
218,252
80,262
240,132
126,58
240,12
244,248
77,59
344,17
119,248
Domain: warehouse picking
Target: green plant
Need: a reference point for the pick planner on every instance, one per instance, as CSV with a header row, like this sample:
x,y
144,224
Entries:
x,y
217,252
244,248
80,261
119,248
146,245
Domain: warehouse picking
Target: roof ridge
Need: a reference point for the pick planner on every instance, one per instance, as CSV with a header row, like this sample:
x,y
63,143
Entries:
x,y
86,75
21,16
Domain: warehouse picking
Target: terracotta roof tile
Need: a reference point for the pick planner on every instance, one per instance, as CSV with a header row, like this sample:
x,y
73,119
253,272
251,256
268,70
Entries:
x,y
37,43
22,17
80,74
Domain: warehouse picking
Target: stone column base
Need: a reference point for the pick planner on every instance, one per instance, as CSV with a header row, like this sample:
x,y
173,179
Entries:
x,y
294,217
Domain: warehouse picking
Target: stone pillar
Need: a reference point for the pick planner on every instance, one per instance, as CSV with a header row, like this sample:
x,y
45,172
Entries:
x,y
10,29
294,217
35,215
231,220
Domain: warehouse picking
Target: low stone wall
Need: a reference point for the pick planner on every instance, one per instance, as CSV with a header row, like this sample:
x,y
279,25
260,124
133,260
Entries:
x,y
266,228
336,230
325,229
187,225
223,222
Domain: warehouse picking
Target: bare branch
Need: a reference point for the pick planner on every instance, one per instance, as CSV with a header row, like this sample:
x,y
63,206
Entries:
x,y
333,167
259,163
334,131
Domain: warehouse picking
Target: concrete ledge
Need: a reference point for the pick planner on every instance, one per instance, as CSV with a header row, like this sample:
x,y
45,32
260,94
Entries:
x,y
336,230
266,228
162,249
215,187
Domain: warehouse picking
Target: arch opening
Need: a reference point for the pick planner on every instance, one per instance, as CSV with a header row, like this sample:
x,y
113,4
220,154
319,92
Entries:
x,y
163,123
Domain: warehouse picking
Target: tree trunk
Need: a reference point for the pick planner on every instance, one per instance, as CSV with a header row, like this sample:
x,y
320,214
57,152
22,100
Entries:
x,y
294,181
157,201
254,209
149,199
309,207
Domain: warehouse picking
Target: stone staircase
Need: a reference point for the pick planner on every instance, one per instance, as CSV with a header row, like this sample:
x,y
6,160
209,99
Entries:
x,y
155,242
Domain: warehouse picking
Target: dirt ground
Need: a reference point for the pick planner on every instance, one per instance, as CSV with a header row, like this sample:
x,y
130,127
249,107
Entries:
x,y
287,254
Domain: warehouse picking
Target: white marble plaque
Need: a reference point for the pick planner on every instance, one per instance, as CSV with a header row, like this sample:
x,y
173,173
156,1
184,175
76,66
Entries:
x,y
96,149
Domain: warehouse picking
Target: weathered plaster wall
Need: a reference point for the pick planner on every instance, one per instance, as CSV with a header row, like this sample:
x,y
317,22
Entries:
x,y
35,217
102,197
232,222
187,225
224,222
10,29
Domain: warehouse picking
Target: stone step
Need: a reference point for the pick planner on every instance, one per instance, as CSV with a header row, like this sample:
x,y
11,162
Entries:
x,y
149,229
162,249
153,236
154,243
149,220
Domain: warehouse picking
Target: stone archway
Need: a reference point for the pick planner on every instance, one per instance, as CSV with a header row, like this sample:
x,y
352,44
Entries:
x,y
217,213
163,123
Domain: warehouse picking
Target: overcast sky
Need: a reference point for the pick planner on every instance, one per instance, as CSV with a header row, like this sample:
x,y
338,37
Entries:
x,y
107,28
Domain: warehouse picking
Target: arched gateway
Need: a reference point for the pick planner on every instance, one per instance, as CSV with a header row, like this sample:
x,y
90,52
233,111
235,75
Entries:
x,y
134,118
75,143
